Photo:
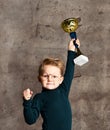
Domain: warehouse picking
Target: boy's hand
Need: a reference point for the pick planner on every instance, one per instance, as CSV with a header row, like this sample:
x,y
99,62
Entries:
x,y
27,94
71,45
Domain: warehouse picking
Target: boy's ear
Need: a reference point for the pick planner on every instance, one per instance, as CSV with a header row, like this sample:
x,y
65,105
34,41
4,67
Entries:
x,y
39,79
61,79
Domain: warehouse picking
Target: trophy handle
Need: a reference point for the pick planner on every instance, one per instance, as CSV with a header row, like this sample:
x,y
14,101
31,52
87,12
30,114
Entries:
x,y
74,36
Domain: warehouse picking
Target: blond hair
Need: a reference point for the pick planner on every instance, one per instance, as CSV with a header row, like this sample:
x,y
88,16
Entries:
x,y
54,62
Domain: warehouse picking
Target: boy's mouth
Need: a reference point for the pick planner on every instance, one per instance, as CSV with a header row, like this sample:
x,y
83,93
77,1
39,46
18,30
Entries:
x,y
50,83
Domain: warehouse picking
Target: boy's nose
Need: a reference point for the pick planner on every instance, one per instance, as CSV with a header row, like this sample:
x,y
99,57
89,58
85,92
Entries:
x,y
50,78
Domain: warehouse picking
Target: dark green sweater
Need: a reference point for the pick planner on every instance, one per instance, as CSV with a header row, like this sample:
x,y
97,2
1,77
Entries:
x,y
53,105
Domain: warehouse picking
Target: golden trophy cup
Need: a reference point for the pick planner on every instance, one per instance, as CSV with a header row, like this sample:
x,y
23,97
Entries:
x,y
70,25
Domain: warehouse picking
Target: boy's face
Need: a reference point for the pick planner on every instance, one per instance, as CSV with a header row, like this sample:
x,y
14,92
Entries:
x,y
51,77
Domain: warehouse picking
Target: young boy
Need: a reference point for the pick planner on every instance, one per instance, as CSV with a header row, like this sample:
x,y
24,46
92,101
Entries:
x,y
52,103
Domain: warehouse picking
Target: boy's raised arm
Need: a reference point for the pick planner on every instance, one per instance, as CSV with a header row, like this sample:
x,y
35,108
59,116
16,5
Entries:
x,y
69,72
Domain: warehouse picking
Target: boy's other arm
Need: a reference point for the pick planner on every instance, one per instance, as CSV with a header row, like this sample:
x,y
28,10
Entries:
x,y
31,106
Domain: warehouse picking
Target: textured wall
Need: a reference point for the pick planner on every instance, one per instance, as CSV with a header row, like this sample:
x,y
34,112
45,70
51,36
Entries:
x,y
30,31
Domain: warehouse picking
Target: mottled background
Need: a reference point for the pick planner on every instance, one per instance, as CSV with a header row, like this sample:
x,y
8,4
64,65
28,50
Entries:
x,y
30,30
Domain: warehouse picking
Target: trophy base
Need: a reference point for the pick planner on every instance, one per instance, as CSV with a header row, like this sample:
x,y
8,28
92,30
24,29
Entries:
x,y
81,60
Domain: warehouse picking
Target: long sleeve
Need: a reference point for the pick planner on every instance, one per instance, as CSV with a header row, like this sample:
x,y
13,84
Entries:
x,y
69,71
31,110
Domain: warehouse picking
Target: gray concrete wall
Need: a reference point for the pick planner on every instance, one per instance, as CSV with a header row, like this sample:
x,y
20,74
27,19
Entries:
x,y
30,31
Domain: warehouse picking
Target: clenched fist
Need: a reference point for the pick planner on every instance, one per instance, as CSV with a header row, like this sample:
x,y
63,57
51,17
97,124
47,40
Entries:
x,y
27,94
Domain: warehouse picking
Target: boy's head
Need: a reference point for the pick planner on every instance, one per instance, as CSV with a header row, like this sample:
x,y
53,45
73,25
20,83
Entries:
x,y
51,73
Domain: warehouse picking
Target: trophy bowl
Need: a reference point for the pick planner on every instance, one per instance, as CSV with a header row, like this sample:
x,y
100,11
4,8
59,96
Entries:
x,y
70,25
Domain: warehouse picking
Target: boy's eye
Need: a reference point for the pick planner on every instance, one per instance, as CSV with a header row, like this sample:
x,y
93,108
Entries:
x,y
45,76
54,76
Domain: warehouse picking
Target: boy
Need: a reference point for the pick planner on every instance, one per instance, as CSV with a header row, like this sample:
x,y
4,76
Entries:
x,y
52,103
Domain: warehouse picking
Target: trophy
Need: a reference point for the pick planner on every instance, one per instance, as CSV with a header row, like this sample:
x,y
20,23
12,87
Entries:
x,y
70,25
